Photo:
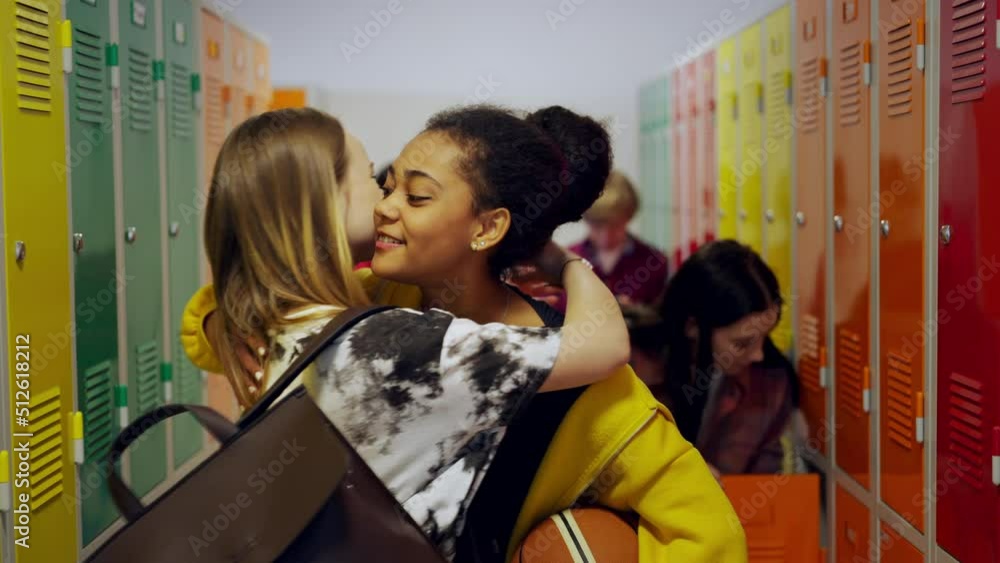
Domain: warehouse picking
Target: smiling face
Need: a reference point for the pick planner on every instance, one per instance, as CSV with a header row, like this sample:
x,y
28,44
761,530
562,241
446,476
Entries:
x,y
360,194
425,221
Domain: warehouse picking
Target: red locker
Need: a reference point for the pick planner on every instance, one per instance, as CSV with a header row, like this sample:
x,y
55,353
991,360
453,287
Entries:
x,y
810,218
902,335
677,159
968,320
854,543
851,73
895,549
706,147
689,196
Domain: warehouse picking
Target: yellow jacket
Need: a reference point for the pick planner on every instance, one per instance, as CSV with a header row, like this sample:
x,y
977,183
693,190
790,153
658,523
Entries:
x,y
617,447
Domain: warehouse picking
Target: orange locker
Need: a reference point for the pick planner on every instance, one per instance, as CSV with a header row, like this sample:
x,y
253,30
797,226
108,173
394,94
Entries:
x,y
288,98
811,215
854,543
706,148
262,76
895,549
677,137
851,78
779,514
215,93
239,77
689,198
902,285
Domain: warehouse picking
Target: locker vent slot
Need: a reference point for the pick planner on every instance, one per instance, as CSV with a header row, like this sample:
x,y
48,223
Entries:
x,y
849,88
778,126
88,74
968,50
809,95
181,121
809,358
215,119
47,447
148,388
140,91
899,86
850,377
766,551
33,55
187,379
966,438
900,401
98,410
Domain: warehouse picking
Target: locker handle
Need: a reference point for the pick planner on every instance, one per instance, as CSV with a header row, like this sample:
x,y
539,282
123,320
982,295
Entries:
x,y
78,452
4,481
919,426
822,367
67,45
823,77
996,456
921,51
866,393
867,59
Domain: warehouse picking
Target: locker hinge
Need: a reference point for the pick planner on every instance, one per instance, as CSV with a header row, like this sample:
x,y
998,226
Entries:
x,y
5,481
121,401
167,377
996,456
919,426
866,391
823,78
921,50
67,46
159,76
78,452
867,59
196,91
112,61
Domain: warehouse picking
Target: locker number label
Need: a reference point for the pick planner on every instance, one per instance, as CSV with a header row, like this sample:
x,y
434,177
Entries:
x,y
138,13
180,33
21,442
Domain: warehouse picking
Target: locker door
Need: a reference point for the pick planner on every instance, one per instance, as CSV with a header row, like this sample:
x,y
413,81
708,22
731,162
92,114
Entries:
x,y
895,549
220,394
854,543
93,204
183,219
811,215
968,320
677,128
780,515
751,159
262,76
36,247
663,157
142,237
778,172
729,130
239,77
706,146
852,232
901,256
689,197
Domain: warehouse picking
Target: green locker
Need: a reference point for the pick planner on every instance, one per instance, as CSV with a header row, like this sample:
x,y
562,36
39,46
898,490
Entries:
x,y
142,237
182,217
93,206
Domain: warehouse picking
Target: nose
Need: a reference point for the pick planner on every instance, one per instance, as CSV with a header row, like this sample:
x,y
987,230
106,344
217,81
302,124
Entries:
x,y
386,210
758,353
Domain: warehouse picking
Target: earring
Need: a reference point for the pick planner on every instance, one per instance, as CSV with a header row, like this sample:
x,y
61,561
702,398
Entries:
x,y
474,248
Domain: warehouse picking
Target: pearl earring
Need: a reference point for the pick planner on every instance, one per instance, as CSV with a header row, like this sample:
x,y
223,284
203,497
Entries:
x,y
474,248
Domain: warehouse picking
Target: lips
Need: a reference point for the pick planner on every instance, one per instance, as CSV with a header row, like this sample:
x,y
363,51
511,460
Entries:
x,y
386,242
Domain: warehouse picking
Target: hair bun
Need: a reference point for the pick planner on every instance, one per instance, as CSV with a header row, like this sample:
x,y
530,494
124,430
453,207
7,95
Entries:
x,y
586,150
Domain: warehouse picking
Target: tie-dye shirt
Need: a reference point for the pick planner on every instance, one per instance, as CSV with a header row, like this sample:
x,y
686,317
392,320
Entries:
x,y
423,398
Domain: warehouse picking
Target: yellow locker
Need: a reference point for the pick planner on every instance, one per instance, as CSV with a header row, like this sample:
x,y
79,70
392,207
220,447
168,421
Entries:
x,y
728,135
752,157
778,172
37,264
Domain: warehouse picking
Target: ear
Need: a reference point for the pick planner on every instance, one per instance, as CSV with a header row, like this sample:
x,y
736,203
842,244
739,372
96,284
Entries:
x,y
491,227
691,328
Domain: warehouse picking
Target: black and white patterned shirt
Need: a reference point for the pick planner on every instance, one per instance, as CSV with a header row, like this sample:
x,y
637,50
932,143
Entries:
x,y
424,399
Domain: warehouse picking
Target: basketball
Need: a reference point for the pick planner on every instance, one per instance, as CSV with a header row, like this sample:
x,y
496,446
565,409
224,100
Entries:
x,y
593,535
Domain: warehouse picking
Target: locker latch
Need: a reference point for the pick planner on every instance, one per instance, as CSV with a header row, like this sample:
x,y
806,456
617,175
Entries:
x,y
78,452
167,377
921,51
823,369
111,52
867,59
196,91
760,98
4,481
121,401
996,456
67,45
823,78
919,423
788,87
866,391
159,78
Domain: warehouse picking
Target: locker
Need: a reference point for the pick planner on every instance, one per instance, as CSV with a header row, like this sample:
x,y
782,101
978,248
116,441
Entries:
x,y
142,237
901,256
968,322
810,217
751,157
220,394
780,515
853,518
708,173
262,76
679,170
778,172
37,304
661,155
93,208
689,196
852,235
238,77
183,219
895,549
728,131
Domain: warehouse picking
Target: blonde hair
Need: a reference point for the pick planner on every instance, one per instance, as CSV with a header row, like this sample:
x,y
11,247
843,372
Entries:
x,y
274,232
618,200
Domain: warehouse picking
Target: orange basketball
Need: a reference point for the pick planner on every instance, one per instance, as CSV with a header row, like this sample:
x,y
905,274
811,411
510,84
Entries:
x,y
577,535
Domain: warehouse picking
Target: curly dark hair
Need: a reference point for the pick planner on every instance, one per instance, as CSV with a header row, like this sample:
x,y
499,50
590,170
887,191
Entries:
x,y
546,169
